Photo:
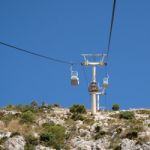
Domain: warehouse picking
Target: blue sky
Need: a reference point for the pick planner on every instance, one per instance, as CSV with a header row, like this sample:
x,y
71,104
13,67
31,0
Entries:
x,y
64,30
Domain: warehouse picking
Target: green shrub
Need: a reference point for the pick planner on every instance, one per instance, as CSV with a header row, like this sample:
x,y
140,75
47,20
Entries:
x,y
99,135
29,147
10,107
115,107
76,117
46,125
89,120
44,105
24,108
137,128
7,118
97,129
48,138
31,140
56,105
132,135
119,130
118,147
2,114
2,140
53,105
53,135
14,134
49,107
126,115
78,109
28,117
34,104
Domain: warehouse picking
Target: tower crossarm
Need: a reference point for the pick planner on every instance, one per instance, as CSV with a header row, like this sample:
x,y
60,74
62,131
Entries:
x,y
96,55
99,62
87,63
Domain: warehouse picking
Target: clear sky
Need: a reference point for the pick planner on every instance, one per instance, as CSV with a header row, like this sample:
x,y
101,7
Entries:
x,y
64,29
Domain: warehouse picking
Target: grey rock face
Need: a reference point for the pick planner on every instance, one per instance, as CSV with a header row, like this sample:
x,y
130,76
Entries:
x,y
56,116
13,112
4,134
15,143
131,145
40,147
146,146
85,133
50,120
78,124
128,144
79,143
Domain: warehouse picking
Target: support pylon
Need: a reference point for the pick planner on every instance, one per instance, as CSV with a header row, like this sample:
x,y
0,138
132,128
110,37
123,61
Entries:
x,y
93,87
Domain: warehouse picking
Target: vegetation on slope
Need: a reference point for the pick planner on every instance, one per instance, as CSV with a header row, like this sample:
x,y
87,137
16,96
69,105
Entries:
x,y
50,126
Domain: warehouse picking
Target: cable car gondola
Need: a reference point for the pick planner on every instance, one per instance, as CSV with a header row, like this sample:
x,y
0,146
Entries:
x,y
105,82
74,78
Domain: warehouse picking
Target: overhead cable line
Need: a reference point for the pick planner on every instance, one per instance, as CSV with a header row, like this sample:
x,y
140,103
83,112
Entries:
x,y
109,41
111,27
36,54
110,32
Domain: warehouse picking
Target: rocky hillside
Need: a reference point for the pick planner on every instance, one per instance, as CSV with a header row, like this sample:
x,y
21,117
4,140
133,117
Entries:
x,y
51,127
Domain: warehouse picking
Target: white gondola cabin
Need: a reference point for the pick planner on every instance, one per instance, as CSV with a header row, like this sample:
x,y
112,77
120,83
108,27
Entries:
x,y
105,82
74,78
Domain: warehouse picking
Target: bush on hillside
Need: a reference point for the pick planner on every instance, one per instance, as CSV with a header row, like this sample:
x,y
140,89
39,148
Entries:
x,y
48,138
24,108
76,117
31,142
115,107
126,115
78,109
44,105
97,129
3,140
119,130
14,134
7,118
56,105
34,104
117,147
53,135
99,135
132,135
89,120
10,107
29,147
28,117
